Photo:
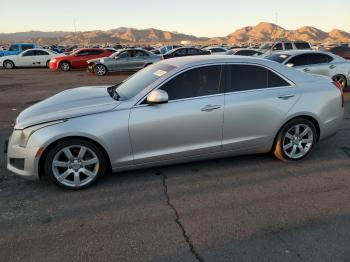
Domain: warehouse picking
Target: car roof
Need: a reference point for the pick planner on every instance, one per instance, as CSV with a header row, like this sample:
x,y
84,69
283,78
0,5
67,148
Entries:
x,y
193,60
300,52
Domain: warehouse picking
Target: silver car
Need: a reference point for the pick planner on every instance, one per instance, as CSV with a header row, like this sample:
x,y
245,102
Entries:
x,y
316,62
177,110
123,60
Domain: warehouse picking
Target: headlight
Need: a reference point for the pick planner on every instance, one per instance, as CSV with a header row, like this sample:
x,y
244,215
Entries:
x,y
21,136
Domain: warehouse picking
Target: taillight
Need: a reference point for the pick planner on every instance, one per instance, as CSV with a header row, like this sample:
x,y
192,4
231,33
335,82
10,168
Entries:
x,y
339,86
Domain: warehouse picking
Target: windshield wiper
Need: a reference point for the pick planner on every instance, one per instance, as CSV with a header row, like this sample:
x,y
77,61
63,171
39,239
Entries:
x,y
112,91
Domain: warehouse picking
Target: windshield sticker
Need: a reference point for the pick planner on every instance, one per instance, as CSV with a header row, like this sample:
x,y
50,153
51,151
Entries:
x,y
160,73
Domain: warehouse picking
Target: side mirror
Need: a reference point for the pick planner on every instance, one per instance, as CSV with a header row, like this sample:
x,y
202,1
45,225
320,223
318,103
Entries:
x,y
157,97
290,65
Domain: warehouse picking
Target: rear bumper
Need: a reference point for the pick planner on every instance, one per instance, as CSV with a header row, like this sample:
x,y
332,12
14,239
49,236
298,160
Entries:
x,y
331,127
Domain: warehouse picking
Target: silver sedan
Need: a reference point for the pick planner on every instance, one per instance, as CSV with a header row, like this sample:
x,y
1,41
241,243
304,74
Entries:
x,y
316,62
123,60
177,110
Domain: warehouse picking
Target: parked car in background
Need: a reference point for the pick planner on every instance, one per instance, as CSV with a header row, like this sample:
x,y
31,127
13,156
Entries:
x,y
244,52
185,51
16,49
78,59
343,51
30,58
123,60
316,62
177,110
269,48
216,50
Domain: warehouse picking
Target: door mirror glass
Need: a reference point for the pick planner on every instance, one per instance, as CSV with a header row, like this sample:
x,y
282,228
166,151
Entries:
x,y
290,65
157,97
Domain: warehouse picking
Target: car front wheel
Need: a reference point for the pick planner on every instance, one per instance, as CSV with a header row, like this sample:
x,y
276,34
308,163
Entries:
x,y
100,70
65,67
9,65
296,140
75,164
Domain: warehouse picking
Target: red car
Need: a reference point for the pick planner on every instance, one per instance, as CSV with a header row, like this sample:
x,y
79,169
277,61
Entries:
x,y
77,59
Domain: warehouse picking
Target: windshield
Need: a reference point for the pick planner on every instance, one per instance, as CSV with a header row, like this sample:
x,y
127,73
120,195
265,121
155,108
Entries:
x,y
139,81
280,58
266,46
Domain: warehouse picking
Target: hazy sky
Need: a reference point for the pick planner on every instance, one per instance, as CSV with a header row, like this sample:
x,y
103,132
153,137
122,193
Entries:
x,y
197,17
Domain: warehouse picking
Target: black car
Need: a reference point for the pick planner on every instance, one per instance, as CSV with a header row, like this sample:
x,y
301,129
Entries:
x,y
185,51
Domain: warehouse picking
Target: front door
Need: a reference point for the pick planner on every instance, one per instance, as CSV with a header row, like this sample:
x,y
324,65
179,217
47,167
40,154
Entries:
x,y
190,124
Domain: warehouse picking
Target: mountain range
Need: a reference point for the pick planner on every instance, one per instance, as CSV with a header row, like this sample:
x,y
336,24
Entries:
x,y
260,33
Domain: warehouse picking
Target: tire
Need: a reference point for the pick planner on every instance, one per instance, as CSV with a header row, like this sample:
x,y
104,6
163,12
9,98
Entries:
x,y
100,70
65,67
48,64
341,80
75,164
294,145
8,64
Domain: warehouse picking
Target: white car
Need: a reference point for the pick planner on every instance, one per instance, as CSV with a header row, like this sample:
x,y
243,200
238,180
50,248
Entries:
x,y
30,58
316,62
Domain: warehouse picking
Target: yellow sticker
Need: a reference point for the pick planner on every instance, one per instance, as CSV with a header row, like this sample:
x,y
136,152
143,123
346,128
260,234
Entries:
x,y
160,73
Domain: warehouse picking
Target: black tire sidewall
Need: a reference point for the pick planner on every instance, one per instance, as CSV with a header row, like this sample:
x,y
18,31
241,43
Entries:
x,y
61,65
10,62
286,128
103,67
69,142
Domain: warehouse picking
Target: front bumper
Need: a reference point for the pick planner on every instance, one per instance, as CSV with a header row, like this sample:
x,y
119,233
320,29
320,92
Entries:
x,y
26,156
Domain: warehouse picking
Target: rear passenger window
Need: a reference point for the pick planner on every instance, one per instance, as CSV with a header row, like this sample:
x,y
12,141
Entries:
x,y
319,59
288,46
251,77
278,47
197,82
302,45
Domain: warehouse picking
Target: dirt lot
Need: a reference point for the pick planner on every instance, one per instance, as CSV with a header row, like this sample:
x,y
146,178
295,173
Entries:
x,y
251,208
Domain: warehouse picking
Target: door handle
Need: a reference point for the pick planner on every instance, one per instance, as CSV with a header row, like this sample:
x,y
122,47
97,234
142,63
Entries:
x,y
306,70
209,108
332,66
286,97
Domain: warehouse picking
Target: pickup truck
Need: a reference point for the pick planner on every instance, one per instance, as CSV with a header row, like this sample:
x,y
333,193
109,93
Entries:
x,y
16,49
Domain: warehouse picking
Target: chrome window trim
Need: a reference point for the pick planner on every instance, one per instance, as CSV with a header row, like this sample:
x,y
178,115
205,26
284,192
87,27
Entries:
x,y
292,84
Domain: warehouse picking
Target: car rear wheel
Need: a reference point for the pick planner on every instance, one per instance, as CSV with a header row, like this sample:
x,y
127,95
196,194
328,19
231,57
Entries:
x,y
9,64
296,140
75,164
341,80
65,67
100,70
48,63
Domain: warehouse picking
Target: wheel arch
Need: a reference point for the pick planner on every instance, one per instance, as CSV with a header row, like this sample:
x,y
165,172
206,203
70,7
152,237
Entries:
x,y
43,156
8,60
305,116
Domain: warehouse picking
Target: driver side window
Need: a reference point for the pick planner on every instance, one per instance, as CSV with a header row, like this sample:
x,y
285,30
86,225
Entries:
x,y
196,82
29,53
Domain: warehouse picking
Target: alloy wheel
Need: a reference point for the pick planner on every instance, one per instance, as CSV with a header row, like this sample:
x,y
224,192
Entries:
x,y
65,67
100,70
8,65
75,166
298,141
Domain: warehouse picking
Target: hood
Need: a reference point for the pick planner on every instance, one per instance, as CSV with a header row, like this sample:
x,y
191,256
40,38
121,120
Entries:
x,y
67,104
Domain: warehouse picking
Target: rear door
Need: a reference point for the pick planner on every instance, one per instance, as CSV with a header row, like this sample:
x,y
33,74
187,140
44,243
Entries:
x,y
299,62
41,57
190,124
321,64
256,103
